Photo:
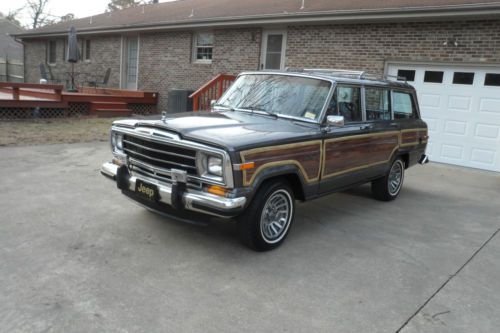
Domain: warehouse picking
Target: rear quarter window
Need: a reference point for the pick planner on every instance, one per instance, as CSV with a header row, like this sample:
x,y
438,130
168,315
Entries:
x,y
403,105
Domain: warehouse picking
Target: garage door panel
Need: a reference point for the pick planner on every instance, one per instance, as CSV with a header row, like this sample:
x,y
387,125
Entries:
x,y
486,131
463,119
449,151
459,103
429,101
490,105
455,127
483,156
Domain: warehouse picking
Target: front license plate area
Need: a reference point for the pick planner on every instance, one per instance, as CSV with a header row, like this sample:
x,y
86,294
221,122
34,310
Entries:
x,y
147,190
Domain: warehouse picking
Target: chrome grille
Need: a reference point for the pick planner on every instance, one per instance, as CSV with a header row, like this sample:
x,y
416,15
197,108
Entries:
x,y
157,156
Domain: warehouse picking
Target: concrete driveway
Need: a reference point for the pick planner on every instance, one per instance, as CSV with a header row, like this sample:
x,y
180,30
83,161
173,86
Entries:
x,y
77,256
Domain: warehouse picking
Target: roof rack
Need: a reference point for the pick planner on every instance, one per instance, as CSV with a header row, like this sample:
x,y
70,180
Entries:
x,y
346,73
397,77
334,71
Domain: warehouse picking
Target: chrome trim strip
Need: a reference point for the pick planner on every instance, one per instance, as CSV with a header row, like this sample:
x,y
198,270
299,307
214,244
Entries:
x,y
168,172
160,151
189,198
158,160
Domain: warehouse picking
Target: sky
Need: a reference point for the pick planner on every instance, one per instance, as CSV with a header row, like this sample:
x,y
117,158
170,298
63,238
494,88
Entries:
x,y
81,8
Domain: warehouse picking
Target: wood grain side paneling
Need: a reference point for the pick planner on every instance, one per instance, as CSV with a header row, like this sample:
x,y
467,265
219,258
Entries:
x,y
342,155
306,156
412,137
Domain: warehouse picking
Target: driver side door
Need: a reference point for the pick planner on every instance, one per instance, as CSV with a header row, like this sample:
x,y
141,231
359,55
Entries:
x,y
345,148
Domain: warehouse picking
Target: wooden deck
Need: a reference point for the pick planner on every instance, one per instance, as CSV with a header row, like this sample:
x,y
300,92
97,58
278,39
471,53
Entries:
x,y
98,102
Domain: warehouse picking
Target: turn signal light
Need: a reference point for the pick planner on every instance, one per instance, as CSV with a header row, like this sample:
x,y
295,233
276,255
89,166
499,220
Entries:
x,y
217,190
248,165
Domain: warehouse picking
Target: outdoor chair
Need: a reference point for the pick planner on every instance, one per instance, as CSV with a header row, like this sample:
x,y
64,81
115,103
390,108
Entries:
x,y
101,83
47,76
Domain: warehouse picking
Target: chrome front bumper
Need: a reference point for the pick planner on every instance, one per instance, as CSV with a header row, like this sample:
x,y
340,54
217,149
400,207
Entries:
x,y
193,200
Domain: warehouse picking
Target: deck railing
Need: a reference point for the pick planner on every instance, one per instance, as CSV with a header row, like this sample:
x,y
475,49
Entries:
x,y
213,89
45,91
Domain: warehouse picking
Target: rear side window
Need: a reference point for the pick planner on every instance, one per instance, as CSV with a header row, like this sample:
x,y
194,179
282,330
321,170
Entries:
x,y
403,106
377,104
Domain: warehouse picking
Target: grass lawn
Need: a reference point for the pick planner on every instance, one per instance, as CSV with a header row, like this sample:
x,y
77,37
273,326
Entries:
x,y
68,130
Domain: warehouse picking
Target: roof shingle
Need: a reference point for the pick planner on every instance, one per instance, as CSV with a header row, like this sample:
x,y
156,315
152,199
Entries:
x,y
184,12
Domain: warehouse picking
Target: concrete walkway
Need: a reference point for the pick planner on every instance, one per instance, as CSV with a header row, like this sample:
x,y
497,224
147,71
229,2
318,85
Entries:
x,y
77,256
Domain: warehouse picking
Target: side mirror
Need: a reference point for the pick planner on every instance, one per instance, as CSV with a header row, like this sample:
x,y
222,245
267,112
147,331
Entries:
x,y
336,121
212,103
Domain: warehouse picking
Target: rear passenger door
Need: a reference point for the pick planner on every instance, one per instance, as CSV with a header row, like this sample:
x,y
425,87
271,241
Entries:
x,y
384,131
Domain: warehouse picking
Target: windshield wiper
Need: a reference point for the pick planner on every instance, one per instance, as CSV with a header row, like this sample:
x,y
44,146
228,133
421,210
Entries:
x,y
230,108
253,108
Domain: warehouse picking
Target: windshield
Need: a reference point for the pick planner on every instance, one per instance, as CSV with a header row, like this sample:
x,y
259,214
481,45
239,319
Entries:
x,y
278,94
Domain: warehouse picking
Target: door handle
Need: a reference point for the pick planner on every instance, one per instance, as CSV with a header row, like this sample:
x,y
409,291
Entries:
x,y
393,124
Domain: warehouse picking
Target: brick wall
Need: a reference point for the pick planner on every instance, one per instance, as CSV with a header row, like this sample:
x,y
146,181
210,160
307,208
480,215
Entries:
x,y
369,46
165,60
104,53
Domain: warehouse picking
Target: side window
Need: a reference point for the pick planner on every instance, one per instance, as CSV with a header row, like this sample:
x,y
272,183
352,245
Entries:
x,y
403,105
346,102
377,104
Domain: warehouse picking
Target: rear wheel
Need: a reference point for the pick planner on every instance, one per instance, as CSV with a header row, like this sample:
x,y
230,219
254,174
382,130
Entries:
x,y
387,188
266,222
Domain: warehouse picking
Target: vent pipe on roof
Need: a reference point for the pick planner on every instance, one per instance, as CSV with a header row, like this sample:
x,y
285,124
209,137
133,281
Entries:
x,y
303,4
192,13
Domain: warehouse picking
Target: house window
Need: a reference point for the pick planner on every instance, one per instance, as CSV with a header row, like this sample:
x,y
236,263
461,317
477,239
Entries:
x,y
203,47
86,49
51,52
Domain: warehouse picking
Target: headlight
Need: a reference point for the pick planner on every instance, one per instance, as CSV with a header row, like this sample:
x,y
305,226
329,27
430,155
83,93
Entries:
x,y
215,166
117,141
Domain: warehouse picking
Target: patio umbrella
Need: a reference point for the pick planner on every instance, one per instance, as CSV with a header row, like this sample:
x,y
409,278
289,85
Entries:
x,y
73,54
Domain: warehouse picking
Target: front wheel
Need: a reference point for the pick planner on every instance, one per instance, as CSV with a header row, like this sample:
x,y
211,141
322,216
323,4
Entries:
x,y
387,188
266,222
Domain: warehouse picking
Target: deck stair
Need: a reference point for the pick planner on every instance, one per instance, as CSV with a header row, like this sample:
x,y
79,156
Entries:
x,y
109,109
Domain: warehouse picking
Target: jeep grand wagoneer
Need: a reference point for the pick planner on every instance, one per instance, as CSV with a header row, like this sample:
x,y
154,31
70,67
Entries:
x,y
271,139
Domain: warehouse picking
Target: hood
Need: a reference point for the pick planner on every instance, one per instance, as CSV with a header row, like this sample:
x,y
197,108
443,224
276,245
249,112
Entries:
x,y
232,130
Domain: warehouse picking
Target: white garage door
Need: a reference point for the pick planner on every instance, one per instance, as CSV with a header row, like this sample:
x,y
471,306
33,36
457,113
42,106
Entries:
x,y
461,105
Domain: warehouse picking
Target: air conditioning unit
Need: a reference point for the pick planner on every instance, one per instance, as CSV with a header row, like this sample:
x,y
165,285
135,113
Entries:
x,y
179,101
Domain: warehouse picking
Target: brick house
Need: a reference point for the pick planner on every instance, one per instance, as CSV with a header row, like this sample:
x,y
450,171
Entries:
x,y
449,49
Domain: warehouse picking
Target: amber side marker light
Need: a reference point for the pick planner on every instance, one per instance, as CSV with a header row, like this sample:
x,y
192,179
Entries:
x,y
217,190
248,165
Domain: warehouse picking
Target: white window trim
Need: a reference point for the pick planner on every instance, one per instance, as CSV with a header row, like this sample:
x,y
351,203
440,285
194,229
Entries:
x,y
195,48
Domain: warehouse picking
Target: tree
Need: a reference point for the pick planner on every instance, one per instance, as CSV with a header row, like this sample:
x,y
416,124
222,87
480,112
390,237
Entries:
x,y
12,16
122,4
39,14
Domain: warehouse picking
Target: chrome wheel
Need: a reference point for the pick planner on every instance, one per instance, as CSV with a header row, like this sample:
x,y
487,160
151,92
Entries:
x,y
395,178
276,215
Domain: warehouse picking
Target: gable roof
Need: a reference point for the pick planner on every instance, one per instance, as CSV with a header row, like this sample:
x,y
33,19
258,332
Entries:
x,y
219,13
8,46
